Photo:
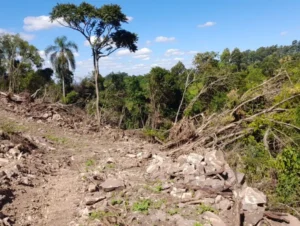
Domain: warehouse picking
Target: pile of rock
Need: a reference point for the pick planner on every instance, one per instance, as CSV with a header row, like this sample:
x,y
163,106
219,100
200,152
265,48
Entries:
x,y
207,179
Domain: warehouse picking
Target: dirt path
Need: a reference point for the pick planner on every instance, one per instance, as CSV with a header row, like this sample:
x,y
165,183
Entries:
x,y
108,178
55,197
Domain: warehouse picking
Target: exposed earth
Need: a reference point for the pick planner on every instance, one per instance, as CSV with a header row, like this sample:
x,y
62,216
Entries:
x,y
56,174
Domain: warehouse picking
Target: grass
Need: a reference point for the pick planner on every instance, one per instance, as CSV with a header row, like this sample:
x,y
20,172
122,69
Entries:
x,y
204,208
98,215
142,206
173,211
89,163
11,127
197,224
156,188
116,202
57,140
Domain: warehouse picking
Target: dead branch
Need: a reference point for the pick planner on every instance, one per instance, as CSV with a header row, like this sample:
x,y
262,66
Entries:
x,y
285,124
266,142
276,217
245,102
35,93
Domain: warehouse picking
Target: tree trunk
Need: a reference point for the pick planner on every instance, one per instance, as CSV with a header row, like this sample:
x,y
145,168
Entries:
x,y
63,87
96,75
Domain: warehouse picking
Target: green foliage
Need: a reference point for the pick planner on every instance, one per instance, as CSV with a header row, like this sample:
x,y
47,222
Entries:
x,y
288,170
202,208
71,97
90,162
142,205
197,224
98,215
116,202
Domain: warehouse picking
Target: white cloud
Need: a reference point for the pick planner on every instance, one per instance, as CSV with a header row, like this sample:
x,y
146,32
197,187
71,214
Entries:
x,y
32,23
284,33
207,24
25,36
192,52
164,39
148,42
174,52
143,51
76,54
129,18
178,59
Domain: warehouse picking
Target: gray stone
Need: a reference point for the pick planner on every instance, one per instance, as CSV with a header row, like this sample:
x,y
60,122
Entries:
x,y
112,184
215,184
187,195
93,200
3,162
254,216
194,158
224,204
252,196
188,169
293,220
213,219
92,188
177,192
110,161
240,177
215,158
182,159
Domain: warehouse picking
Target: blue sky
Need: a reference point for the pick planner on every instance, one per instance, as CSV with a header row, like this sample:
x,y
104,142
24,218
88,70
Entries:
x,y
168,30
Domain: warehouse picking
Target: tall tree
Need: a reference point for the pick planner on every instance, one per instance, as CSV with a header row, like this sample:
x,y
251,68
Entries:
x,y
16,54
225,56
101,27
62,58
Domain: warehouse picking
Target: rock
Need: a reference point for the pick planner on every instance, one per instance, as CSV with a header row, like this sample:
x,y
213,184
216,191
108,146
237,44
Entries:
x,y
152,168
14,152
92,188
252,196
188,169
182,159
194,158
214,184
293,220
110,161
26,181
158,216
56,117
240,178
224,204
178,220
187,195
177,192
213,219
3,162
131,156
92,200
215,158
254,216
112,184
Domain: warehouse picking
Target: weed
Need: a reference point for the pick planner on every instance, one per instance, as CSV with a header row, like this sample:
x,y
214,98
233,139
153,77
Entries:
x,y
89,163
98,215
110,166
11,127
173,211
197,224
142,205
116,202
58,140
204,208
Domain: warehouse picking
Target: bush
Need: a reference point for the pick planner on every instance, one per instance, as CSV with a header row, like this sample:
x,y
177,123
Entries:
x,y
71,97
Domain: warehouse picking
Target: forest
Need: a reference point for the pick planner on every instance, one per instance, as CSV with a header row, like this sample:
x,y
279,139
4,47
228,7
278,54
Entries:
x,y
245,103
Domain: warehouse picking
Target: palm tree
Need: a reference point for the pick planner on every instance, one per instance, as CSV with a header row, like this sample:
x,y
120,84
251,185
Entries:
x,y
62,58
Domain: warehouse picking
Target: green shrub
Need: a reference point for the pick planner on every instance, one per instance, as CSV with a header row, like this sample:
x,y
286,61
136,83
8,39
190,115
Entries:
x,y
71,97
